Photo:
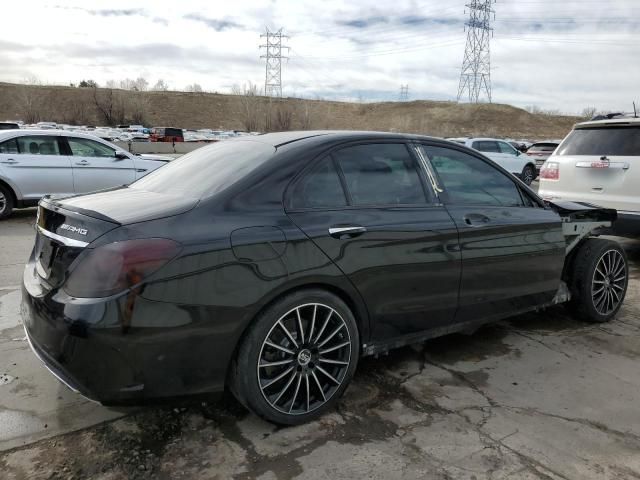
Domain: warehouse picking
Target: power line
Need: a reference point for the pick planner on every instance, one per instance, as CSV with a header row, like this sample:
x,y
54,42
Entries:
x,y
475,76
273,65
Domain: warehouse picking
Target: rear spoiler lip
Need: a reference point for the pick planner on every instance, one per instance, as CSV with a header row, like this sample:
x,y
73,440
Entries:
x,y
53,202
577,211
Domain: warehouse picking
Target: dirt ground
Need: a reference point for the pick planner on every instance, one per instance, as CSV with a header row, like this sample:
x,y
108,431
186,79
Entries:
x,y
540,396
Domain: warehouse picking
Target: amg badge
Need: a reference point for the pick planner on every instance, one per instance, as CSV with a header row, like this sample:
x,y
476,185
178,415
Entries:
x,y
71,228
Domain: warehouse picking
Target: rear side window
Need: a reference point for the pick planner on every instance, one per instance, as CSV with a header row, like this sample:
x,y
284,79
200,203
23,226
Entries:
x,y
380,174
470,181
319,188
602,141
10,146
82,147
38,145
486,146
207,170
506,148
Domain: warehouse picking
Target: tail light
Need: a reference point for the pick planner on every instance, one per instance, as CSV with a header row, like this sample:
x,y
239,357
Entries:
x,y
118,266
550,171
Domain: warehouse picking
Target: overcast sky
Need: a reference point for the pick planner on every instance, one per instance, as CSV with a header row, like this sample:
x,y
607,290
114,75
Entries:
x,y
556,54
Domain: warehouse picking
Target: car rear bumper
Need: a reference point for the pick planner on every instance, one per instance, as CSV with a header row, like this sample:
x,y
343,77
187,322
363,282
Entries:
x,y
89,348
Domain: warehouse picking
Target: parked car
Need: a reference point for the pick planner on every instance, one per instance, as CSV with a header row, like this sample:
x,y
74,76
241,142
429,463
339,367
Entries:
x,y
541,151
271,264
34,163
504,155
521,147
599,162
166,134
9,126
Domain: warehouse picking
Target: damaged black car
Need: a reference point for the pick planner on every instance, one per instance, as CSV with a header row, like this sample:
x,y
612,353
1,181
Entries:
x,y
269,265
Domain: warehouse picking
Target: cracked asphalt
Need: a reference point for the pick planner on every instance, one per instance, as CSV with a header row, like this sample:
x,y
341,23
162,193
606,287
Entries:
x,y
539,396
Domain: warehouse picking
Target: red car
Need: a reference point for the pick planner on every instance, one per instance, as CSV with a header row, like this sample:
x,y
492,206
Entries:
x,y
166,134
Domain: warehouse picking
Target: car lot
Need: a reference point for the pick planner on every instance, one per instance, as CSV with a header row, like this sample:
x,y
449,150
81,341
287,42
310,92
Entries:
x,y
539,396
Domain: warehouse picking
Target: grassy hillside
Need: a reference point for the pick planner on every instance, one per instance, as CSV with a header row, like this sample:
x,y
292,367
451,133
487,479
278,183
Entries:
x,y
208,110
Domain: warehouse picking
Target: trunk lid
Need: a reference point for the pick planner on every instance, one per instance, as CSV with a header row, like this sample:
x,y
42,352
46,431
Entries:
x,y
126,205
61,236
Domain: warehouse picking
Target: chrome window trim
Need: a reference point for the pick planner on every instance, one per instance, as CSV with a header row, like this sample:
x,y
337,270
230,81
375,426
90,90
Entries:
x,y
69,242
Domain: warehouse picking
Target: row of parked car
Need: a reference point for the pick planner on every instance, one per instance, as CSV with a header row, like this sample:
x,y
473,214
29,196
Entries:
x,y
135,133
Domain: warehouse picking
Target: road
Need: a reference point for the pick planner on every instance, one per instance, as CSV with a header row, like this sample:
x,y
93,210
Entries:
x,y
538,396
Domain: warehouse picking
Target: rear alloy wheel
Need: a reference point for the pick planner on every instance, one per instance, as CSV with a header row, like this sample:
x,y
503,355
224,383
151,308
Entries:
x,y
6,202
301,363
599,280
528,174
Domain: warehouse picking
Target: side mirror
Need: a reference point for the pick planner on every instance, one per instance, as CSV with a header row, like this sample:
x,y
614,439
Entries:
x,y
518,153
121,156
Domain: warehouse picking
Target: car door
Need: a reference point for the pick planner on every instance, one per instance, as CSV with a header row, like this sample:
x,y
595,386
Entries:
x,y
511,159
512,247
368,209
96,167
35,164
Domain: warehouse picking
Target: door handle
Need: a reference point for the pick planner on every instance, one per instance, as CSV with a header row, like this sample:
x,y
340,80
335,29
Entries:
x,y
348,231
83,162
476,219
10,161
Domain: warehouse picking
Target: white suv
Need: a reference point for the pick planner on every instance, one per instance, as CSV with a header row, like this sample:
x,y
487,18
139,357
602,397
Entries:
x,y
504,155
34,163
599,163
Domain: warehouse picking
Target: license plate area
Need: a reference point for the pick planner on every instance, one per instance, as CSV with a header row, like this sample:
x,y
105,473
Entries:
x,y
45,256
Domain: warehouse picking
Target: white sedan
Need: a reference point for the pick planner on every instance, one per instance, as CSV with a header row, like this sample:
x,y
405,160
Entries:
x,y
34,163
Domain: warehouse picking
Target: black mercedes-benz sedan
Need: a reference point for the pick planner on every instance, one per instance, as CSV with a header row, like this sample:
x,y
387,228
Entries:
x,y
270,264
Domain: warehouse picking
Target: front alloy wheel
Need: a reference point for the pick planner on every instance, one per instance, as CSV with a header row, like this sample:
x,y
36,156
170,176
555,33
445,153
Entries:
x,y
297,358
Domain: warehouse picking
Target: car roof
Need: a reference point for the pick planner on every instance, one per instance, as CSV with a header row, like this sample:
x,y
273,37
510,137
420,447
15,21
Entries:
x,y
622,121
283,138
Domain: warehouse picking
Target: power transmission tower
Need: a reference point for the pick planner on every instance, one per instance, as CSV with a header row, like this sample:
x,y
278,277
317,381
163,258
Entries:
x,y
404,93
273,55
475,77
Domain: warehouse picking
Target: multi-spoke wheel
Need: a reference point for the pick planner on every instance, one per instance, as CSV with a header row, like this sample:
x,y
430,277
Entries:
x,y
6,202
528,174
609,282
298,357
598,280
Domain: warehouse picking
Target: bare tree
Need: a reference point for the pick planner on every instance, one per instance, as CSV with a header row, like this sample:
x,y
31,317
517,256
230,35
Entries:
x,y
304,116
283,117
30,99
194,88
250,105
140,84
78,112
160,86
110,105
111,84
589,112
139,106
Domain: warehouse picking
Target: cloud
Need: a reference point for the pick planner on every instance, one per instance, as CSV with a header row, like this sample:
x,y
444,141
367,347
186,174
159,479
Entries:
x,y
363,22
125,12
217,25
420,20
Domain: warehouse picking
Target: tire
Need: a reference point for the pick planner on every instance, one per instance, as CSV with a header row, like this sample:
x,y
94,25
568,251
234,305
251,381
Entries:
x,y
598,280
6,202
294,383
528,174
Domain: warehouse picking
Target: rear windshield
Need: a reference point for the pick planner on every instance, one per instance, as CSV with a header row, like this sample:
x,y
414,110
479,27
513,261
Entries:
x,y
602,141
207,170
543,147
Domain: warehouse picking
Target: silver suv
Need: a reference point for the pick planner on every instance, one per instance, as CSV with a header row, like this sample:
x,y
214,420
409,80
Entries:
x,y
34,163
599,163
